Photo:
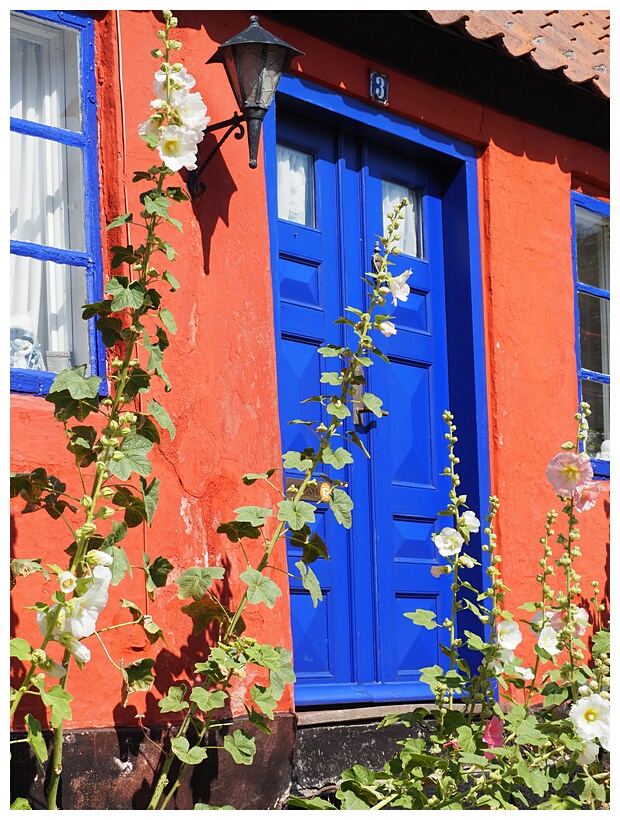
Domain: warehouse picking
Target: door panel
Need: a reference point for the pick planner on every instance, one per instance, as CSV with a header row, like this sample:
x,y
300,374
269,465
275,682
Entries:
x,y
357,645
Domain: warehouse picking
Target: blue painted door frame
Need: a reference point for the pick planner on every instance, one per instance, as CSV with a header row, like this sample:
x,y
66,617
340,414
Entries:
x,y
357,646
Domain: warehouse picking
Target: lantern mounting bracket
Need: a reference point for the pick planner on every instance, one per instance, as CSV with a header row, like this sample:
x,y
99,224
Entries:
x,y
194,186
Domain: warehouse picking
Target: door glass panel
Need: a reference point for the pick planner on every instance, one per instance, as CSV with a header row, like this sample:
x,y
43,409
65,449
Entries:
x,y
411,226
592,248
295,186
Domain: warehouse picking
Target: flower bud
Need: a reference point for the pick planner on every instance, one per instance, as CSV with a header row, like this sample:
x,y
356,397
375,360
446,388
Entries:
x,y
67,581
107,493
117,456
38,656
105,512
98,558
86,502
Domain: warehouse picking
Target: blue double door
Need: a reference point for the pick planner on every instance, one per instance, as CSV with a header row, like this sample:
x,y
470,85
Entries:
x,y
335,189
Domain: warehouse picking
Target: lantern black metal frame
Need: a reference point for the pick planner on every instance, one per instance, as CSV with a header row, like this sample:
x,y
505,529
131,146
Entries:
x,y
253,94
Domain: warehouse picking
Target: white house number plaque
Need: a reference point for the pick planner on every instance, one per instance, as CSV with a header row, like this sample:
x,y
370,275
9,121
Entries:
x,y
379,87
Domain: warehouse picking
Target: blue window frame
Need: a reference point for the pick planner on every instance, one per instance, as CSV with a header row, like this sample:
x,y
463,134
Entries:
x,y
590,224
55,245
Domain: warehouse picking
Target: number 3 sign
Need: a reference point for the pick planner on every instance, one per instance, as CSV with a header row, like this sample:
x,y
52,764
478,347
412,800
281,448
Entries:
x,y
379,86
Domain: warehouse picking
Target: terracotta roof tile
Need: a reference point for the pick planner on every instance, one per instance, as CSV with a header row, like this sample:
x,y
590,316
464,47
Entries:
x,y
574,44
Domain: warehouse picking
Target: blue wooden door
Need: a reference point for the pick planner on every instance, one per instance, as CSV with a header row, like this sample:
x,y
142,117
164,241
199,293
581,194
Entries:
x,y
334,188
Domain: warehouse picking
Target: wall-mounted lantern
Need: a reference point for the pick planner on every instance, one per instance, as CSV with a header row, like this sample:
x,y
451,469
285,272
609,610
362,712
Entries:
x,y
254,61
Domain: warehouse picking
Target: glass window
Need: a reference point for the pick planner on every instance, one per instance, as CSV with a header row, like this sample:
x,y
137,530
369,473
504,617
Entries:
x,y
54,213
295,186
411,226
591,253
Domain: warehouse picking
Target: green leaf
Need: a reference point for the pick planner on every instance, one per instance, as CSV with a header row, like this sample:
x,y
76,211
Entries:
x,y
157,572
283,674
423,617
134,506
337,459
373,403
134,450
236,530
528,733
352,435
20,804
168,320
123,255
430,674
174,700
158,205
250,478
475,641
123,219
600,643
260,588
181,748
256,516
331,378
296,514
151,498
341,411
125,296
295,461
137,677
23,567
161,416
341,506
195,581
171,280
138,381
208,701
330,351
264,699
73,380
241,746
309,803
58,701
21,649
310,582
203,613
36,740
66,407
198,806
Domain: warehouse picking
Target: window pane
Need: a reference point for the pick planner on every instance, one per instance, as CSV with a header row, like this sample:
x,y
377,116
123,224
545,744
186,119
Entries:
x,y
47,193
594,332
597,396
47,329
411,226
592,248
45,76
295,186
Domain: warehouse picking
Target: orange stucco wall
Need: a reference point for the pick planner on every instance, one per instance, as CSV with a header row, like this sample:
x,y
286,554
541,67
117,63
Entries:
x,y
222,360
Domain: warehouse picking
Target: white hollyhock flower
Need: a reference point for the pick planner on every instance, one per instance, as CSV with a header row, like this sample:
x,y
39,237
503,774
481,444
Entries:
x,y
505,657
437,570
548,640
388,328
399,288
448,541
525,672
80,652
591,718
508,634
193,113
67,582
180,83
178,147
588,754
150,126
99,558
53,669
469,520
84,611
467,561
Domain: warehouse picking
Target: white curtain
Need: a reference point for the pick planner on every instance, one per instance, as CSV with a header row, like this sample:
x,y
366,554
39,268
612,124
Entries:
x,y
295,201
393,194
44,296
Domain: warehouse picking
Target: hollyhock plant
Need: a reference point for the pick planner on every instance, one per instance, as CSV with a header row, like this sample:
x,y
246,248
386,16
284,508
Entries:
x,y
448,541
569,473
493,735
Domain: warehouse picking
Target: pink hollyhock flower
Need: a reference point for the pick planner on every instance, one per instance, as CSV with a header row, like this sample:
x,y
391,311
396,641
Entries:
x,y
452,743
585,498
569,473
493,735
